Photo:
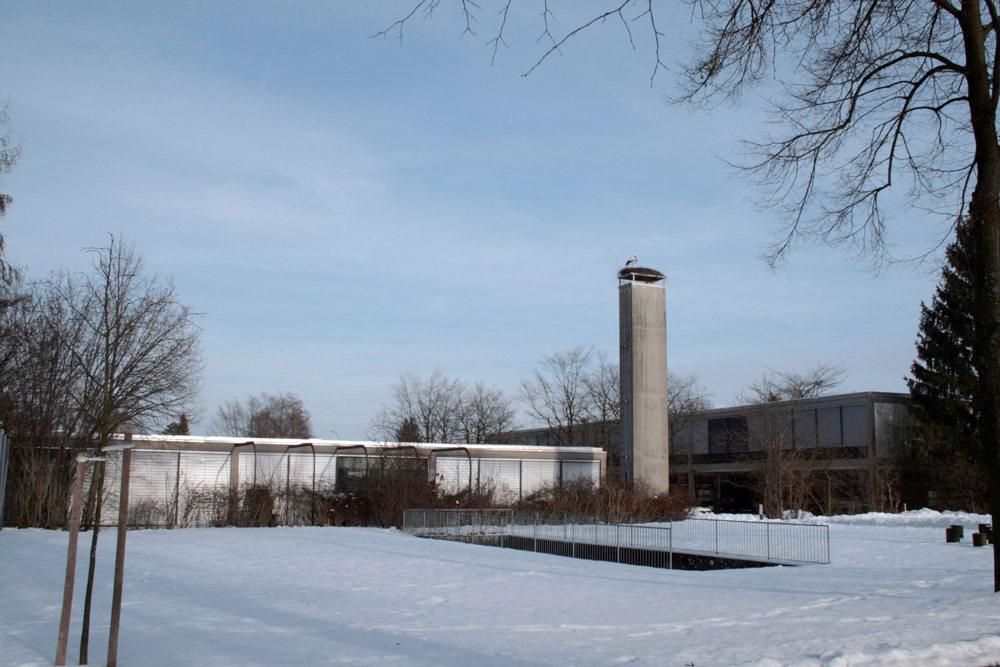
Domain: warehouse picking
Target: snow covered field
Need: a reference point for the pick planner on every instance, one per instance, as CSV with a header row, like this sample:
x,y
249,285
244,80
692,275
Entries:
x,y
895,594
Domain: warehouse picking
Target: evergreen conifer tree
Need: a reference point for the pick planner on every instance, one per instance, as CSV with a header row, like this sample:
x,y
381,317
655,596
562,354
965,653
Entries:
x,y
179,427
408,431
944,380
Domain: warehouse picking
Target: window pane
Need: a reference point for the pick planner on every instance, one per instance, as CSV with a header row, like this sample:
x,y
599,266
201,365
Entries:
x,y
805,429
718,438
829,427
737,428
855,425
700,436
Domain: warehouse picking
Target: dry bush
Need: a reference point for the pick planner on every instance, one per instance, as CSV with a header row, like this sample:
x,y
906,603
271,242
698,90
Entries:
x,y
148,513
488,494
257,507
299,507
215,506
612,497
393,482
38,484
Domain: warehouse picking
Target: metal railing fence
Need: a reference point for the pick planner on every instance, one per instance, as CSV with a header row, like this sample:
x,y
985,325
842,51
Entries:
x,y
763,541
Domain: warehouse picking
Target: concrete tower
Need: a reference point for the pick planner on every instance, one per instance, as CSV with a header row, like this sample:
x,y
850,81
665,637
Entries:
x,y
642,305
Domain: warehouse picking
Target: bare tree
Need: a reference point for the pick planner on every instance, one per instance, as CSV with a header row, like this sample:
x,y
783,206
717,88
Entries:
x,y
264,416
784,471
485,415
686,397
557,394
10,152
37,377
443,409
137,346
434,404
138,352
604,426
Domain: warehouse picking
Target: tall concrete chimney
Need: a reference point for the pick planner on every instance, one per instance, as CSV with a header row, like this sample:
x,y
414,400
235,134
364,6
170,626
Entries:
x,y
642,306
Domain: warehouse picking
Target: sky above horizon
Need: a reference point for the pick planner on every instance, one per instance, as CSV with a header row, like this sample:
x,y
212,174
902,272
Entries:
x,y
343,209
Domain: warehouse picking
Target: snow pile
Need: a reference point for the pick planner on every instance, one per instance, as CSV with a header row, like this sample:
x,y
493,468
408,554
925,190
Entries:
x,y
322,596
922,518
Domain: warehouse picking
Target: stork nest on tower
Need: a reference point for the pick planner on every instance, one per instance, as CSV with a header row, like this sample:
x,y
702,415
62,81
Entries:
x,y
639,271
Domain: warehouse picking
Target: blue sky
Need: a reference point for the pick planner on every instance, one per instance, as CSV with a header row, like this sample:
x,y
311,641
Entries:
x,y
344,209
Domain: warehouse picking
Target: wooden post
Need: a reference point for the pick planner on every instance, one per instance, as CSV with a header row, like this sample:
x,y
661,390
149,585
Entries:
x,y
74,532
116,598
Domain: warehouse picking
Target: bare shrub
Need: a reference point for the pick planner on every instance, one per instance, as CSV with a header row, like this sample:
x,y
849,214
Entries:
x,y
38,486
489,493
209,506
147,513
611,497
393,482
257,507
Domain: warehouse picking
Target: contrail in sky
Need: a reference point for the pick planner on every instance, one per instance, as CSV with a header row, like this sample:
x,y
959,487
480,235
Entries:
x,y
274,50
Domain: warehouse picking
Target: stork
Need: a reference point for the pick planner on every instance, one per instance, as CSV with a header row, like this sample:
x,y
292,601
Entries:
x,y
631,260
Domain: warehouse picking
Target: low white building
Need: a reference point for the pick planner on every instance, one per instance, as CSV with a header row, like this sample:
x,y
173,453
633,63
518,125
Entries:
x,y
178,474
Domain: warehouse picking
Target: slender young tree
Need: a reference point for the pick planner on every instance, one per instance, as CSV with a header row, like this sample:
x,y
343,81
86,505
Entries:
x,y
139,356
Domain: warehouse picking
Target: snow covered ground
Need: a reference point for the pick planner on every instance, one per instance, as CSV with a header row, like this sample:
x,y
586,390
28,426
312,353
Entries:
x,y
895,594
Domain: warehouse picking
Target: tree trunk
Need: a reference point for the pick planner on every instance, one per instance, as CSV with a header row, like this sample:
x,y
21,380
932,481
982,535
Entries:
x,y
85,632
984,214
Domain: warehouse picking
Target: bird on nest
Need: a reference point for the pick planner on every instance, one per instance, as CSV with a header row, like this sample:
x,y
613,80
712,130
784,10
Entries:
x,y
631,260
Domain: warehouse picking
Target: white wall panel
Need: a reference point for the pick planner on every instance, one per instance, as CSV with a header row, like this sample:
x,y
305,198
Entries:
x,y
500,474
453,473
205,469
538,473
589,471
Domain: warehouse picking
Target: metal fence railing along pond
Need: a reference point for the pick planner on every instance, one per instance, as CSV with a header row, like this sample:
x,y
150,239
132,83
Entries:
x,y
629,539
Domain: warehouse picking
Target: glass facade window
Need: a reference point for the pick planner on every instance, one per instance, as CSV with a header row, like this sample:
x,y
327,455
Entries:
x,y
350,470
828,427
771,428
682,444
727,437
855,425
805,429
891,423
757,432
738,441
836,431
699,437
718,440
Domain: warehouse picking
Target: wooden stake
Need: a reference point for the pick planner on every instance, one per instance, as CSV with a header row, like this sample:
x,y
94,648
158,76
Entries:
x,y
116,598
74,532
